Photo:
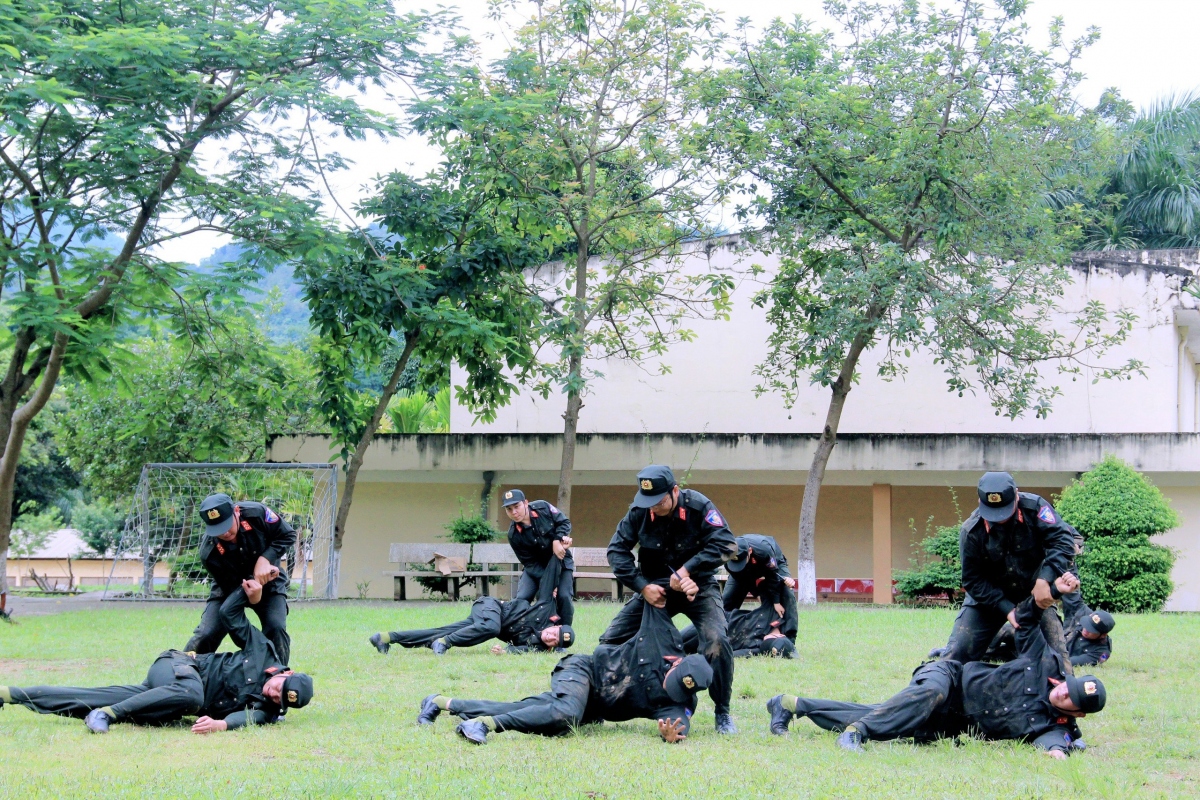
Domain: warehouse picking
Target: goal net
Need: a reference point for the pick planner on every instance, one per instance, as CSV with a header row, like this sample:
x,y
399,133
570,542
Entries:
x,y
158,558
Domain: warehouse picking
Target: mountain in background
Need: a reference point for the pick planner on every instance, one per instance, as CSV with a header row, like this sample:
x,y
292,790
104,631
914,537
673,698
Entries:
x,y
288,320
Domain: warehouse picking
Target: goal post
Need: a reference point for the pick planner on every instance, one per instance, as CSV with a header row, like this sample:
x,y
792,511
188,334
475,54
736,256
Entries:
x,y
158,557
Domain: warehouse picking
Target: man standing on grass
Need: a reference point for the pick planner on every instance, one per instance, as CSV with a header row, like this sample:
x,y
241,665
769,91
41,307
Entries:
x,y
540,535
1032,698
523,627
761,569
1013,546
683,540
226,690
647,677
243,541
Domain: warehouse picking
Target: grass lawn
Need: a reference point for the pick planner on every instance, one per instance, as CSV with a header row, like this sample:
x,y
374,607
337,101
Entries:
x,y
359,738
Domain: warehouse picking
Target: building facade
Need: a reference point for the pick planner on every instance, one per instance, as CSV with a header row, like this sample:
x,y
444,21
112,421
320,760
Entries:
x,y
908,458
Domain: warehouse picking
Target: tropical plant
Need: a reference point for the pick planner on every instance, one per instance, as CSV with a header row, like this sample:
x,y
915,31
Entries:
x,y
1116,509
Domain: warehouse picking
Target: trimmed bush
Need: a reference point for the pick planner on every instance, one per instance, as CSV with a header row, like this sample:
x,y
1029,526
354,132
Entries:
x,y
939,572
1117,510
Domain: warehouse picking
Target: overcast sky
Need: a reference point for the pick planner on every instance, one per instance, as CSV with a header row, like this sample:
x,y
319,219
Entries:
x,y
1147,49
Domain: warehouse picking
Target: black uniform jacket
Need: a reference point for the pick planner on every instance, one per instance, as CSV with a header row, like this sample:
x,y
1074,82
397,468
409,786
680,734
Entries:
x,y
522,622
533,543
747,627
233,682
1000,563
1012,700
262,533
767,569
693,536
1083,651
627,679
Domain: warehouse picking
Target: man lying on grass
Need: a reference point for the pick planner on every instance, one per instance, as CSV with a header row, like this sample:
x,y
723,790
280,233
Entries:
x,y
647,677
226,690
1031,698
752,632
517,623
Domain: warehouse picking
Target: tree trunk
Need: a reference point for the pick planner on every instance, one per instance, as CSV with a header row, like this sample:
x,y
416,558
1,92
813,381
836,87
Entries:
x,y
364,441
806,565
17,429
575,348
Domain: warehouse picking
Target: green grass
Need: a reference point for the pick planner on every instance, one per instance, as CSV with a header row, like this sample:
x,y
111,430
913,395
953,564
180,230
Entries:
x,y
358,738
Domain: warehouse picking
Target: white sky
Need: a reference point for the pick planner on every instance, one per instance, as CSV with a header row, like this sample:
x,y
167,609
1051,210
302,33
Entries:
x,y
1147,49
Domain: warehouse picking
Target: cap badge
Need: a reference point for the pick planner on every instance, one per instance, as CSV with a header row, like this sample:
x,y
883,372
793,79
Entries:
x,y
688,682
647,484
994,498
1089,687
293,697
1096,618
508,495
213,513
566,637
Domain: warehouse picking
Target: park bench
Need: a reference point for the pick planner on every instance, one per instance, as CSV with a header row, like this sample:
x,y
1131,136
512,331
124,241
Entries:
x,y
407,555
587,559
488,555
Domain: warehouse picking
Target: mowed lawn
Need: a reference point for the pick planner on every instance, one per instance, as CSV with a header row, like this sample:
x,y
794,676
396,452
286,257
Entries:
x,y
359,738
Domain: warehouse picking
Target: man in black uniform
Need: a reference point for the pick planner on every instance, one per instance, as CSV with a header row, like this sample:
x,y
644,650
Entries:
x,y
227,690
242,541
647,677
540,534
1088,642
761,569
1032,698
522,626
683,540
752,632
1013,546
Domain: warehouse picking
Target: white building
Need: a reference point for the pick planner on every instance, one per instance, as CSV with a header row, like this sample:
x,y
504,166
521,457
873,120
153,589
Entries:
x,y
906,445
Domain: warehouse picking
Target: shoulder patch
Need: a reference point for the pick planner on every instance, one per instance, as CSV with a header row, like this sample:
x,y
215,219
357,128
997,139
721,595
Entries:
x,y
1046,514
270,515
552,508
713,517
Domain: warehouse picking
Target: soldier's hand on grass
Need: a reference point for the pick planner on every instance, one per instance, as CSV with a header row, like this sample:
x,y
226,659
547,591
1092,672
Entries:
x,y
1012,618
1066,583
209,725
672,731
265,571
655,595
498,649
1041,594
1060,755
253,590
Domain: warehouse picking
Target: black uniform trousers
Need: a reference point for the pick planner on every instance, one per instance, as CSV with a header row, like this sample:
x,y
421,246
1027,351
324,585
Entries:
x,y
735,594
483,624
708,615
927,709
551,713
272,613
173,689
976,626
527,589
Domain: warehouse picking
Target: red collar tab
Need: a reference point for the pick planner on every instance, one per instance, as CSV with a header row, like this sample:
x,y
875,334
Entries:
x,y
245,525
532,514
682,512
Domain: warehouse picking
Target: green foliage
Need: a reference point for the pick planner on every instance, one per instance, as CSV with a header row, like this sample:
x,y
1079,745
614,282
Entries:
x,y
471,529
1117,509
35,527
1113,498
44,476
418,413
100,524
939,571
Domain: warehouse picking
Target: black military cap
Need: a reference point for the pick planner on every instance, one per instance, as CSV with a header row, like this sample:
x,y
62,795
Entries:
x,y
691,675
1087,693
216,511
739,562
512,497
654,483
1099,622
566,636
997,496
297,690
782,648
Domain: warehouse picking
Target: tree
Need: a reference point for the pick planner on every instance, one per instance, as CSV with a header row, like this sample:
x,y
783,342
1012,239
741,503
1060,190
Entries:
x,y
587,119
125,125
444,284
1116,509
904,170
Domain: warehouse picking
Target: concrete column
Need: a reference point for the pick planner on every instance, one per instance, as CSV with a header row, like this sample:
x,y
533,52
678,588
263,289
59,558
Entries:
x,y
881,548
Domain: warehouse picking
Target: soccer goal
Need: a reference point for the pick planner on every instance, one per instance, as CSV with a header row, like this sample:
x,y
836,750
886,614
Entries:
x,y
158,558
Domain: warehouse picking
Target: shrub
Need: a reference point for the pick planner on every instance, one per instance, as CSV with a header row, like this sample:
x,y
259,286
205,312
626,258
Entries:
x,y
939,572
1117,510
464,529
